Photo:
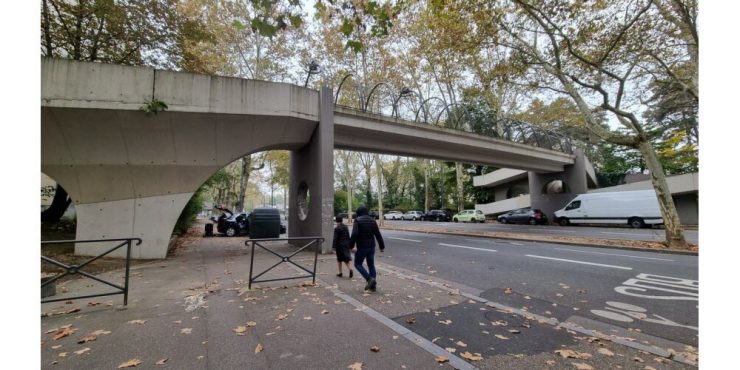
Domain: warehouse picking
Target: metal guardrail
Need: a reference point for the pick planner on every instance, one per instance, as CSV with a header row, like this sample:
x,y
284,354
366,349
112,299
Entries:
x,y
77,269
284,259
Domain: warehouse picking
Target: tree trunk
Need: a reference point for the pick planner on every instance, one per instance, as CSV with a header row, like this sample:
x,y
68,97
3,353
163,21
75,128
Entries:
x,y
380,189
673,229
246,163
459,181
47,32
426,186
58,206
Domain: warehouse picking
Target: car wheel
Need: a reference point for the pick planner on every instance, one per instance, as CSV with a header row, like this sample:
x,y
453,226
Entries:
x,y
483,221
532,221
503,220
454,219
636,223
563,221
231,231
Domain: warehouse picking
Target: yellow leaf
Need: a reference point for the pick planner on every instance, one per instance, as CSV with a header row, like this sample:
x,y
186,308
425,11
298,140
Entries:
x,y
582,366
461,343
606,352
186,330
355,366
375,349
161,362
251,324
471,357
446,322
259,348
138,322
240,330
82,350
450,349
130,363
441,359
499,336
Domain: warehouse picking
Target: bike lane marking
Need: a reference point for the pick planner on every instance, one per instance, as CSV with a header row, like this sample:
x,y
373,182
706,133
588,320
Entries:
x,y
614,254
580,262
466,247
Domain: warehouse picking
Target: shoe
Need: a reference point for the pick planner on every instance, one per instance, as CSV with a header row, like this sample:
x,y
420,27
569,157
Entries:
x,y
351,274
369,282
340,274
373,284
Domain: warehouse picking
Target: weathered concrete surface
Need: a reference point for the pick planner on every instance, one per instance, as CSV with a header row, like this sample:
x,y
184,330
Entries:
x,y
378,134
574,180
129,174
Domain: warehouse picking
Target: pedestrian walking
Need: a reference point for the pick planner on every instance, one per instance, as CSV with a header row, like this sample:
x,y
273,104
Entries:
x,y
341,244
364,233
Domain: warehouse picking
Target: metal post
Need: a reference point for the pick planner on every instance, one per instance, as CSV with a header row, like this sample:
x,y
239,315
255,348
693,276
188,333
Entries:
x,y
315,259
128,264
251,264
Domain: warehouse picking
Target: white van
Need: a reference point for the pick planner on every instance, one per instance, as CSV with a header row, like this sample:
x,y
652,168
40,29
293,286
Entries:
x,y
634,208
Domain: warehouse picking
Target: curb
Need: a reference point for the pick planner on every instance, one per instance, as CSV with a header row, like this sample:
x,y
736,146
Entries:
x,y
666,251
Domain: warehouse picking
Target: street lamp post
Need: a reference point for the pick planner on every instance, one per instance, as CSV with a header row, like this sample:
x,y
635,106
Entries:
x,y
313,68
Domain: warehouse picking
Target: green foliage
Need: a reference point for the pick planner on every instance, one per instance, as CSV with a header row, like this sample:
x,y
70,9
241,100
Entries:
x,y
190,212
153,106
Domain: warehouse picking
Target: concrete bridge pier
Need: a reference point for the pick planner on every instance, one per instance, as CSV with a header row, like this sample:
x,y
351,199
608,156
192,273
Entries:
x,y
311,199
574,182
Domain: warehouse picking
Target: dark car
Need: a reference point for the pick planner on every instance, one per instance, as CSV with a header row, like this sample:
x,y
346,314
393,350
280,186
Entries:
x,y
232,224
523,216
436,215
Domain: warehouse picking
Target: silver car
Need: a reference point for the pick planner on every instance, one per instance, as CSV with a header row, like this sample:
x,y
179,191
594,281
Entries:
x,y
393,215
412,215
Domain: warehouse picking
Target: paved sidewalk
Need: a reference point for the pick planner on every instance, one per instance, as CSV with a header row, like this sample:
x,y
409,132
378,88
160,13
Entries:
x,y
194,311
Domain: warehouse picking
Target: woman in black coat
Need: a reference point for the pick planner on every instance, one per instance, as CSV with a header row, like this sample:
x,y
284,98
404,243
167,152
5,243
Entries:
x,y
341,244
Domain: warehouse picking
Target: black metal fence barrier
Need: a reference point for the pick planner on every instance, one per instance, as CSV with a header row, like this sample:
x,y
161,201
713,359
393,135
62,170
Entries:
x,y
284,259
77,269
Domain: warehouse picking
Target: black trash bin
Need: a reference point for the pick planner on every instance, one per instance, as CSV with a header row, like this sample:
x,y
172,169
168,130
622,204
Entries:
x,y
209,229
264,223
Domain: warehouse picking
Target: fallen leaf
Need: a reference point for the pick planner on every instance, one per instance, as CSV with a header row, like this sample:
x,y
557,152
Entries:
x,y
514,331
63,333
186,330
499,323
436,339
259,348
307,318
411,320
355,366
282,316
62,354
161,362
239,330
100,332
91,304
375,349
87,338
508,290
251,324
57,346
582,366
606,352
446,322
82,350
648,367
130,363
324,312
637,359
471,357
76,309
139,322
499,336
461,343
441,359
450,349
550,362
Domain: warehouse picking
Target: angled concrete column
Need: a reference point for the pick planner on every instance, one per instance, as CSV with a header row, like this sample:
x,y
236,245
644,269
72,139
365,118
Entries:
x,y
311,199
574,180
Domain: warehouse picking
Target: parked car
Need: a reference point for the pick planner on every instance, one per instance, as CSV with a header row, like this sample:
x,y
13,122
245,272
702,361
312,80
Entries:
x,y
470,215
523,216
344,215
232,224
436,215
393,215
373,214
412,215
633,208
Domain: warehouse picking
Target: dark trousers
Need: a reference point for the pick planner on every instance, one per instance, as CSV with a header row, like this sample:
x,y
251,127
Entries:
x,y
360,256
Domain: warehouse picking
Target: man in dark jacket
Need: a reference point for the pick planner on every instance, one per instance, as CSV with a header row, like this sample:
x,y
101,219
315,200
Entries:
x,y
364,233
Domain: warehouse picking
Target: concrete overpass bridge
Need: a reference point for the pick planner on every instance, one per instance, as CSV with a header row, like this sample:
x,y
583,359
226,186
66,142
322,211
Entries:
x,y
130,174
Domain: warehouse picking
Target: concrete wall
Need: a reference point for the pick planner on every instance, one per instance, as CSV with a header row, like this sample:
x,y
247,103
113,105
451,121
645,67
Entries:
x,y
313,166
687,206
574,178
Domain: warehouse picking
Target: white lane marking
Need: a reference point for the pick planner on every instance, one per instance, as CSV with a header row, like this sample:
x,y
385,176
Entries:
x,y
581,262
466,247
515,243
408,240
614,254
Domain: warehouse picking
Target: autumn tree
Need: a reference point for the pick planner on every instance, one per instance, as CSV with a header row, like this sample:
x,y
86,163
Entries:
x,y
603,56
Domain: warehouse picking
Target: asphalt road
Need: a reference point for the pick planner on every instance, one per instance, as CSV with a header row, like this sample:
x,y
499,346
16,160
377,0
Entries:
x,y
651,293
692,236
